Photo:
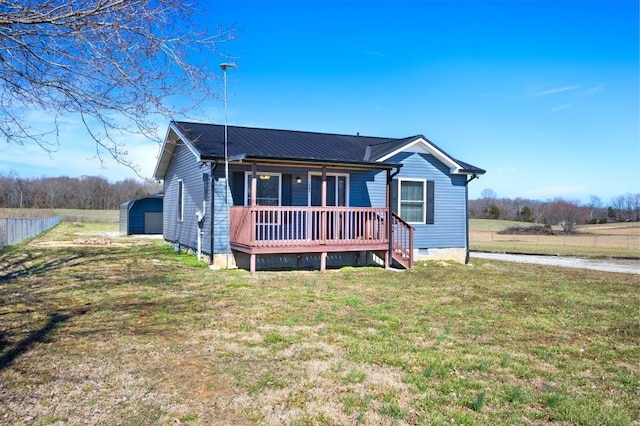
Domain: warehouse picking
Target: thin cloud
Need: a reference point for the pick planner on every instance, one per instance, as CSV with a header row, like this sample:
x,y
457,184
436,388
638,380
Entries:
x,y
575,98
594,90
557,90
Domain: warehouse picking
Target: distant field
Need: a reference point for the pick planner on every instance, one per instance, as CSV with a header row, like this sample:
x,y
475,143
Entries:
x,y
76,215
614,239
66,215
26,213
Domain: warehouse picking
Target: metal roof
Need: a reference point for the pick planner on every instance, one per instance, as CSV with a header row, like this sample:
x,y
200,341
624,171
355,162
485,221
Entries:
x,y
206,141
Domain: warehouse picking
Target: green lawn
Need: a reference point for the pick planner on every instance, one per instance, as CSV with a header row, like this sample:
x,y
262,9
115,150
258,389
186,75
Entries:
x,y
130,333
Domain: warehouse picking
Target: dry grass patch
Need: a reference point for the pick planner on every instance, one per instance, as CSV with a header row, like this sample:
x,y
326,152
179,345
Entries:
x,y
131,333
606,240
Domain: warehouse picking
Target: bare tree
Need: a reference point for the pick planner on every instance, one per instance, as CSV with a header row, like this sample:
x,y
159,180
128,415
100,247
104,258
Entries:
x,y
566,213
595,204
113,63
618,205
86,192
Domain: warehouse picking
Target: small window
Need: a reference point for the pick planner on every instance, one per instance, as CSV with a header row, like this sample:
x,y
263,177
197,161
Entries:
x,y
180,200
412,200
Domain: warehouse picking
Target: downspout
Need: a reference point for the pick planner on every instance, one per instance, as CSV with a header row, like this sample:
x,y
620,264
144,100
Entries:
x,y
466,212
201,217
213,166
390,177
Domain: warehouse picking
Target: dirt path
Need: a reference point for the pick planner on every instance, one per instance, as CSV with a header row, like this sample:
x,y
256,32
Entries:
x,y
611,265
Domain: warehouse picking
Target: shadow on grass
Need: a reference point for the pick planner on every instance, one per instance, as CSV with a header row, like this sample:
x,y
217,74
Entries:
x,y
36,336
16,266
52,280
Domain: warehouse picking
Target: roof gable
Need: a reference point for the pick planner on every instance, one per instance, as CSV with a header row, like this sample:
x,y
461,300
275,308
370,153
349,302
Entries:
x,y
420,144
173,137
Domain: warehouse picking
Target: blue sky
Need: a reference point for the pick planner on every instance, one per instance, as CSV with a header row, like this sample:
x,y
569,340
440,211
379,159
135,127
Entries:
x,y
544,95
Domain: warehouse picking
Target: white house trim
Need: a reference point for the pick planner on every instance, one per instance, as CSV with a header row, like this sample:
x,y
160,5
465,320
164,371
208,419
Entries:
x,y
169,147
423,181
421,145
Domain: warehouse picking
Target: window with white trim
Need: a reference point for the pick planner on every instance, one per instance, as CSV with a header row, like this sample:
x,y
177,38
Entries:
x,y
268,189
412,200
180,200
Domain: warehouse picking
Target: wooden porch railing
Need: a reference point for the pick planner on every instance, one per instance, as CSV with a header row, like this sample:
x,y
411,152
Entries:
x,y
284,226
402,240
280,229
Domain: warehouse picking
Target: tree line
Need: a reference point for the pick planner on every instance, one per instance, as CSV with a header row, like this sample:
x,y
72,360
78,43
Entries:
x,y
86,192
567,213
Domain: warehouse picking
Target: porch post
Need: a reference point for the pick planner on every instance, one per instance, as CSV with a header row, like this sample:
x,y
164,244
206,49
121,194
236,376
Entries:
x,y
389,255
324,186
254,184
323,218
252,203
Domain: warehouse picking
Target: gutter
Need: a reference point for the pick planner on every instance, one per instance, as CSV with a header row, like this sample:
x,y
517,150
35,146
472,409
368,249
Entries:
x,y
311,162
213,167
466,215
390,177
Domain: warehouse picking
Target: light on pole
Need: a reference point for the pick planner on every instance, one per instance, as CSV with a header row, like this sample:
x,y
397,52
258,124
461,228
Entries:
x,y
224,66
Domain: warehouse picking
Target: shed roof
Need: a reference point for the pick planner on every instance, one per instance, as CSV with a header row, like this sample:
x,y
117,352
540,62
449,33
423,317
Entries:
x,y
128,204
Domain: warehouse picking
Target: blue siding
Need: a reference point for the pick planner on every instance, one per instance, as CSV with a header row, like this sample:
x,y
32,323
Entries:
x,y
222,200
184,166
450,221
366,189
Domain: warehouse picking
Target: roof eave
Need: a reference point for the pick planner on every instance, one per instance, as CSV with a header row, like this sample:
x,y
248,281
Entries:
x,y
306,162
471,172
168,148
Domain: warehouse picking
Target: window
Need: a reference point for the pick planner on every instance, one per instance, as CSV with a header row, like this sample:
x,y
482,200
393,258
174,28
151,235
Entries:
x,y
268,189
180,200
412,200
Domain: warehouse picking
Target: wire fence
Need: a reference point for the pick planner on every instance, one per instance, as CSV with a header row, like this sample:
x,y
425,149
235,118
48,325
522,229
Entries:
x,y
14,230
612,241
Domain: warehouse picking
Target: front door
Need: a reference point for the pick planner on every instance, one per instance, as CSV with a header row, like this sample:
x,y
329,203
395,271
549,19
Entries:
x,y
336,190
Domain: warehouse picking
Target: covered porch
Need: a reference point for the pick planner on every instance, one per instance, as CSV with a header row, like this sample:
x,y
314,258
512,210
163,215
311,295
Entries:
x,y
277,229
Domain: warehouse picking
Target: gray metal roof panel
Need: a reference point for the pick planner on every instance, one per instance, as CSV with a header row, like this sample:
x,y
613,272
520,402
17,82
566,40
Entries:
x,y
208,140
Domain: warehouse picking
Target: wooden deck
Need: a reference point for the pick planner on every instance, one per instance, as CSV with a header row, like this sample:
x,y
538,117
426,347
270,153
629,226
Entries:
x,y
282,229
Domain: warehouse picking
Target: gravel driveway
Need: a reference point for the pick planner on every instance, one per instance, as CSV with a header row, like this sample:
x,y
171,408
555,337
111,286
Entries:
x,y
625,266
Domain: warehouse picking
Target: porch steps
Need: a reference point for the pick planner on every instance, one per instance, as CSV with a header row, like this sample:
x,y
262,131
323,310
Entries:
x,y
402,242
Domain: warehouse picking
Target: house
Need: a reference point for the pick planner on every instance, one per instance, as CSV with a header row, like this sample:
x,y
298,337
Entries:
x,y
295,199
141,216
